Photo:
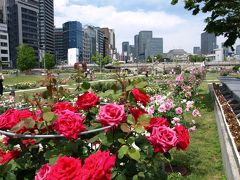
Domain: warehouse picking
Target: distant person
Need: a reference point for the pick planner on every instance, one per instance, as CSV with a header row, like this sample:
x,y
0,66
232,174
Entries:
x,y
1,84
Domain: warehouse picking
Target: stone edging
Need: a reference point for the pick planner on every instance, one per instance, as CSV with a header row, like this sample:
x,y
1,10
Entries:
x,y
228,149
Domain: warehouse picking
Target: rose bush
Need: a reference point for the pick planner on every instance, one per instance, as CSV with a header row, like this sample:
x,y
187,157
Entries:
x,y
125,138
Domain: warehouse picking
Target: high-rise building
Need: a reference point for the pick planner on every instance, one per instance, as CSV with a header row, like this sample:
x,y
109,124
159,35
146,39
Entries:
x,y
197,50
125,51
109,42
208,43
136,47
238,49
46,26
154,46
143,38
100,41
90,34
4,46
22,21
3,14
58,46
72,38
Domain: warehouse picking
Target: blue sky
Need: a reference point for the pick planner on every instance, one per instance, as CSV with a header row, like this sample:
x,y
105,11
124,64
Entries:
x,y
177,27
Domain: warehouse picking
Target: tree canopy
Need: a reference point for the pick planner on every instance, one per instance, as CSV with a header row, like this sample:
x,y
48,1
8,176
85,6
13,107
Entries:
x,y
100,60
49,61
26,57
224,18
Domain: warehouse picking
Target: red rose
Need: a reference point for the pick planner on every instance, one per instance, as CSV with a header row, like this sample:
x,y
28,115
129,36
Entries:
x,y
156,122
140,97
28,142
43,172
136,112
183,137
111,114
98,166
5,157
66,168
162,139
61,106
13,117
69,124
87,101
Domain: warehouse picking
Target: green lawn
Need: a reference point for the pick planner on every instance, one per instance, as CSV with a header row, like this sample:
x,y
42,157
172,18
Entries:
x,y
10,80
203,157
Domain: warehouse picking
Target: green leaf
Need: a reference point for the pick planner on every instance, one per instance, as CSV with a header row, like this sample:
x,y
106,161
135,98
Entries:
x,y
121,140
125,128
41,125
131,140
141,84
48,116
144,119
131,119
105,139
134,154
86,85
121,177
141,174
29,123
135,177
52,160
129,88
93,139
11,176
167,155
17,127
139,128
122,151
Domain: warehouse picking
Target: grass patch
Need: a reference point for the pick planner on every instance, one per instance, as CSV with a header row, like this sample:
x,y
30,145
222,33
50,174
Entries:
x,y
10,80
203,157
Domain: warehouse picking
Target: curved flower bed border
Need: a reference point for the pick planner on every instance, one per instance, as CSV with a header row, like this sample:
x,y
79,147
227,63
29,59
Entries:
x,y
28,136
230,153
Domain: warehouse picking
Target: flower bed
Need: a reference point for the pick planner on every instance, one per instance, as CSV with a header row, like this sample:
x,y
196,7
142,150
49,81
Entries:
x,y
129,138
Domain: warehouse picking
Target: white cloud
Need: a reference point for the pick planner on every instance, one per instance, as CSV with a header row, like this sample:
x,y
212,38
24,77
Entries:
x,y
177,32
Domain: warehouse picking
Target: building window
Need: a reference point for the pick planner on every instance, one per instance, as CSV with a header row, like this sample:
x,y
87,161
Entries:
x,y
4,51
3,44
5,59
3,37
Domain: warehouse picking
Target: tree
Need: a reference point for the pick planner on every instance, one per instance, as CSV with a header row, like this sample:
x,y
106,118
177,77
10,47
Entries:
x,y
196,58
100,60
49,61
26,57
224,19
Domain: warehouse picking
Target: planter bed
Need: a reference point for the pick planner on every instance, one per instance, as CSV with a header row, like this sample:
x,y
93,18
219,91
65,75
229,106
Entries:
x,y
229,130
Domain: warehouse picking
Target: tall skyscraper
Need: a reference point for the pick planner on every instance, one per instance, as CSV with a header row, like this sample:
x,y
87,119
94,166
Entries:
x,y
90,36
143,38
3,14
208,43
238,49
72,38
46,26
125,51
154,46
109,42
22,20
58,45
136,47
196,50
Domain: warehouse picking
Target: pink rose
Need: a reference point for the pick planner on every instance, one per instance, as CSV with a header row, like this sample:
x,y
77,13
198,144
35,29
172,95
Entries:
x,y
98,166
196,113
61,106
179,110
43,172
162,139
180,78
162,108
111,114
66,168
69,124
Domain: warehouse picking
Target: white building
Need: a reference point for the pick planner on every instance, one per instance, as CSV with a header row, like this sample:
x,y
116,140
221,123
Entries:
x,y
73,56
4,46
217,56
